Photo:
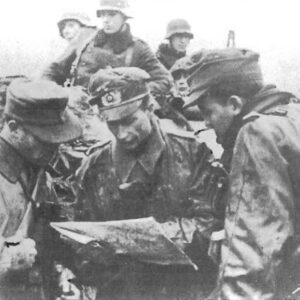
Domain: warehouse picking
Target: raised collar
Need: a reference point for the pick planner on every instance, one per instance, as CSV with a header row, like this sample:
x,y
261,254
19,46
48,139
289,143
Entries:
x,y
147,158
118,42
11,162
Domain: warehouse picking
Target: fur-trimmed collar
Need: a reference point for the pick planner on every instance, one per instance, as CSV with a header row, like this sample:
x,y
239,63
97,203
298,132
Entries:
x,y
118,41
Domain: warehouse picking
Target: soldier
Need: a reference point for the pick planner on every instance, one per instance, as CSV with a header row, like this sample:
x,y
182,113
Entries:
x,y
147,171
180,73
258,126
112,46
179,36
72,25
36,122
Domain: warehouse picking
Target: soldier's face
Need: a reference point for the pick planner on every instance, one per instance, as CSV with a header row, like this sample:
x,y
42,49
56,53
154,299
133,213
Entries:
x,y
181,81
217,115
112,21
132,130
71,30
31,148
180,41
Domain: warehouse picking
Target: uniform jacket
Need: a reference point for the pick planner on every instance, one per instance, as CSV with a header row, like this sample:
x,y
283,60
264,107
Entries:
x,y
168,56
165,179
15,188
101,51
260,254
21,187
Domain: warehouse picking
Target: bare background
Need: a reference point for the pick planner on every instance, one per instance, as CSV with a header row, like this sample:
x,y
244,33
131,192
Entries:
x,y
29,36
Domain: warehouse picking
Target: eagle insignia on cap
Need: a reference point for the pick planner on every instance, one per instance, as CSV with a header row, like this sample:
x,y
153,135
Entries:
x,y
111,98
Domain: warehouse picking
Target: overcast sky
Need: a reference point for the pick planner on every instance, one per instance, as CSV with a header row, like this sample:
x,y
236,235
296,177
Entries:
x,y
29,36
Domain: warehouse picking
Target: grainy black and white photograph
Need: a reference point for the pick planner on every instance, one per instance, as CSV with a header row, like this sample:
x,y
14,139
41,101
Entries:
x,y
149,150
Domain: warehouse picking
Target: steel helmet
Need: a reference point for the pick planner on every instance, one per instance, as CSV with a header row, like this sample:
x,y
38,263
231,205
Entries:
x,y
121,6
81,18
178,26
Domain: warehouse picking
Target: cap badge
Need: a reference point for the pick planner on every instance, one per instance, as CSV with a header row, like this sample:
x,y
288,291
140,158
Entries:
x,y
111,98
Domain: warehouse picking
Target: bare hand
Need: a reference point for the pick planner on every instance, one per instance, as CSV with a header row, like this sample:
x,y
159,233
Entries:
x,y
20,255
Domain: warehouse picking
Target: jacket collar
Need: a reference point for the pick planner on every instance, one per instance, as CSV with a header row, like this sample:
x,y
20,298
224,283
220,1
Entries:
x,y
11,162
263,102
118,42
266,99
147,157
168,50
168,54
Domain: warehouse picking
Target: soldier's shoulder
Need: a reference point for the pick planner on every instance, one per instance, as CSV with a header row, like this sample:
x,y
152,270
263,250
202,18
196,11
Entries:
x,y
179,134
140,42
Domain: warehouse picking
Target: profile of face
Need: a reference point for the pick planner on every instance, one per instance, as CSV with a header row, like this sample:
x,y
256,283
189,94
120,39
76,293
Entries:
x,y
35,151
112,21
71,30
219,115
180,41
132,130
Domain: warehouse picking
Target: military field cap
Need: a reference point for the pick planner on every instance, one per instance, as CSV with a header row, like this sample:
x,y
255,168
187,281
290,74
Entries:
x,y
118,92
121,6
41,107
181,65
222,66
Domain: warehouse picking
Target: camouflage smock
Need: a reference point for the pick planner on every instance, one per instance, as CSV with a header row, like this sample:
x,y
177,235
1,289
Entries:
x,y
260,254
166,180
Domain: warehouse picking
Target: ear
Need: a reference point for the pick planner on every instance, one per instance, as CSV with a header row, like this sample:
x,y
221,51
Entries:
x,y
236,104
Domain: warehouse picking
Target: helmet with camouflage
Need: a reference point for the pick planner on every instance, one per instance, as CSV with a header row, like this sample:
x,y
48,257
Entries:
x,y
178,26
83,19
121,6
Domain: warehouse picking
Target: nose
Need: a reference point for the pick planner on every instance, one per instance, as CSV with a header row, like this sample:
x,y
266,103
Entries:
x,y
121,132
105,19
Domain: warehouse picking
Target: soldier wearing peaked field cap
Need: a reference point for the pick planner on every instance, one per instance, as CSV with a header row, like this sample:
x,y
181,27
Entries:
x,y
231,67
118,92
36,121
41,107
258,127
147,171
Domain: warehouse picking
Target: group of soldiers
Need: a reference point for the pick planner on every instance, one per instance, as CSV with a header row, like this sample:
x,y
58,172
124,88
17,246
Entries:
x,y
236,217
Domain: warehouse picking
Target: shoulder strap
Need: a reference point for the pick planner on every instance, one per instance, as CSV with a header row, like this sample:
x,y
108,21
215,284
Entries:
x,y
128,57
70,81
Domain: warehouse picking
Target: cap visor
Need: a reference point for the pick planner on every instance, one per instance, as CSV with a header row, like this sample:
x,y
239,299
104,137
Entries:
x,y
194,97
121,111
60,133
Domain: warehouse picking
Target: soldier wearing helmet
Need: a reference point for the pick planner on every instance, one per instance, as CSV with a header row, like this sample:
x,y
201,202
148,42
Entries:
x,y
72,24
112,46
178,35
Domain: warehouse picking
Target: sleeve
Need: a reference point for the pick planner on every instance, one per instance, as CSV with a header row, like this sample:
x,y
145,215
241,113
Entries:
x,y
4,264
59,70
258,214
197,219
160,78
200,210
